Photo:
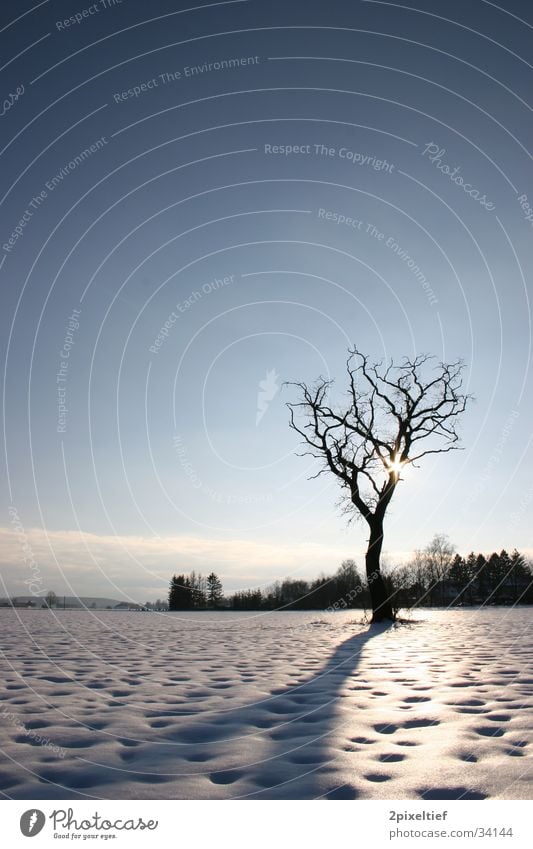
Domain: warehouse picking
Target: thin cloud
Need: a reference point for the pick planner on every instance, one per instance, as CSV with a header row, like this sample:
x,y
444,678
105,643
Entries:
x,y
78,562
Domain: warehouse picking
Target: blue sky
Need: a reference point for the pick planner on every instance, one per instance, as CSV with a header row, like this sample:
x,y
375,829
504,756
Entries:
x,y
198,227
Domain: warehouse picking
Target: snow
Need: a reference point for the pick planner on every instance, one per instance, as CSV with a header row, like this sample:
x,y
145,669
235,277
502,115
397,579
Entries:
x,y
300,705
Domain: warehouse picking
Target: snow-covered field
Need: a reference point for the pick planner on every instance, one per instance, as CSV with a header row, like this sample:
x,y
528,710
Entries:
x,y
278,705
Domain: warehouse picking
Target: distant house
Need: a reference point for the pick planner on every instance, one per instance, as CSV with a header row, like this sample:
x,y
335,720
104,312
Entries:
x,y
127,605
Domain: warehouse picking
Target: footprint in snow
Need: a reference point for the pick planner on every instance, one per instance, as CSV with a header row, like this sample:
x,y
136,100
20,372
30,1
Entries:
x,y
385,728
227,777
468,757
488,731
420,723
451,793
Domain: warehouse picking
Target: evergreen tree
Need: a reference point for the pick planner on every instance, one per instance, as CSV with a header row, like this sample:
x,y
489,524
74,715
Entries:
x,y
188,593
502,590
174,593
481,579
458,577
521,578
180,595
492,572
471,570
214,590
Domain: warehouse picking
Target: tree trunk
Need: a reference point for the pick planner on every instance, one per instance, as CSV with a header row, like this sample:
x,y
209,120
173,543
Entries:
x,y
381,604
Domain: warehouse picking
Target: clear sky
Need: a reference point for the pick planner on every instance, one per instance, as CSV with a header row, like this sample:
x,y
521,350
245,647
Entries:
x,y
200,206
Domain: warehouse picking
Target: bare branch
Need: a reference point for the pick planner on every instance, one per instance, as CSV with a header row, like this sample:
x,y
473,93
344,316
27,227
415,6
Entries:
x,y
389,409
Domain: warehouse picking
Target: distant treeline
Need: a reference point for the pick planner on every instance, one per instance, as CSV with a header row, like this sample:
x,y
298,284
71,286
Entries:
x,y
435,577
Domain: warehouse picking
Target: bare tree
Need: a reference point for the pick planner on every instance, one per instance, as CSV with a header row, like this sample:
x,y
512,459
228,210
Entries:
x,y
437,557
51,598
393,417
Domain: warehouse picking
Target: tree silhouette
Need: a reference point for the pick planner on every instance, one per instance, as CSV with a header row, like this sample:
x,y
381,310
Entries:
x,y
180,593
390,410
51,598
520,576
214,590
410,584
459,578
174,593
438,556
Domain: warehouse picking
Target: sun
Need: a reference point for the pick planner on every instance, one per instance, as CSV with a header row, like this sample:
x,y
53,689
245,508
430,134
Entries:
x,y
396,465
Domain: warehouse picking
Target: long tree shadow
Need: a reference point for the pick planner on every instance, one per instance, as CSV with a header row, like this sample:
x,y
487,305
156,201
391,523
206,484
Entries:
x,y
279,746
295,728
